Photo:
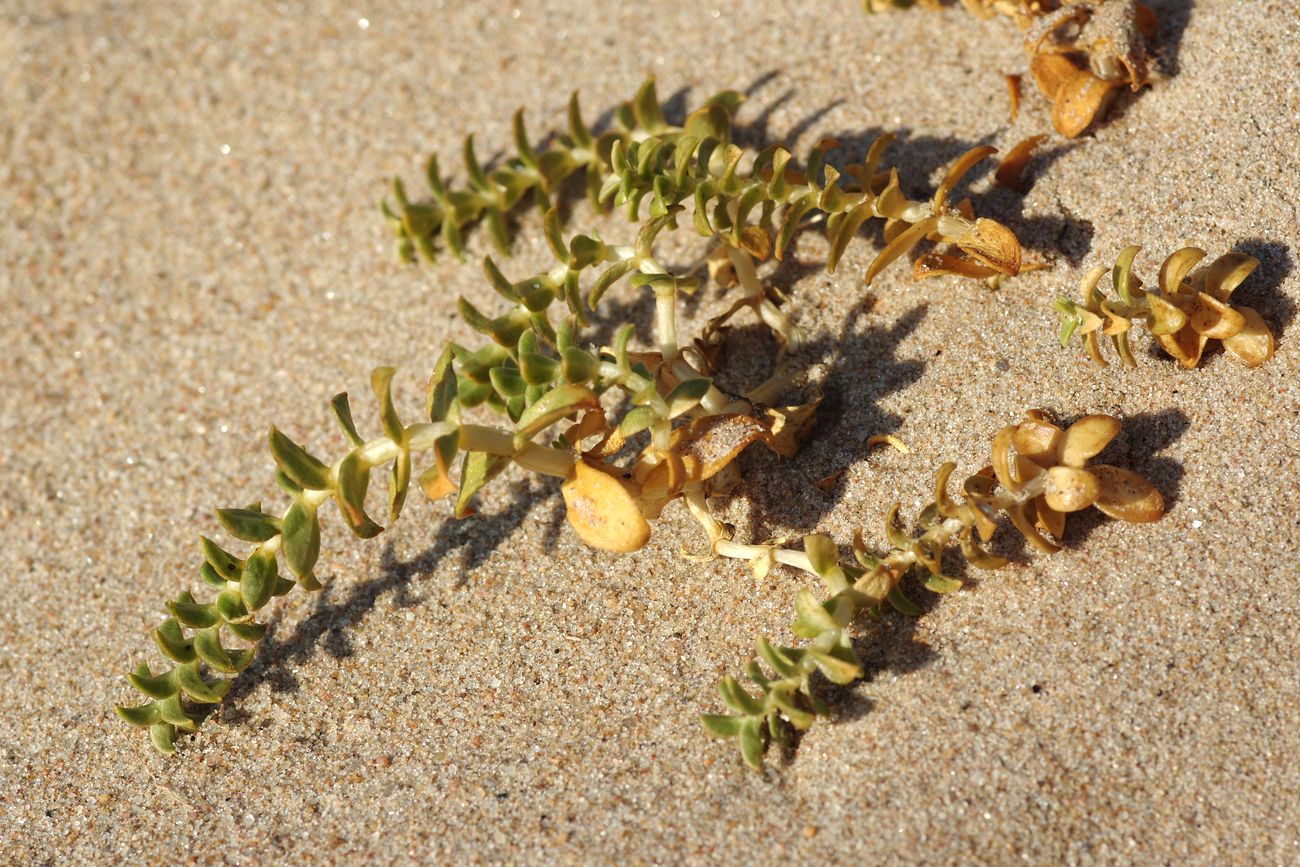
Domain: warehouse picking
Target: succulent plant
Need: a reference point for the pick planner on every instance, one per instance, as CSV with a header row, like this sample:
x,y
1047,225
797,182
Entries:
x,y
1038,475
675,436
1189,309
546,382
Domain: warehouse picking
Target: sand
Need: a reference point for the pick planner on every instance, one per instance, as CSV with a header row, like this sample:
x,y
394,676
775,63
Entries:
x,y
192,251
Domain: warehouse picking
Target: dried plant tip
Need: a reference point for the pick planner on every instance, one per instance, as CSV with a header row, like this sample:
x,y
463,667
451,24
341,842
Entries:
x,y
1069,489
888,440
1127,496
994,245
827,484
602,511
957,171
1013,90
1010,172
1079,101
1186,345
899,245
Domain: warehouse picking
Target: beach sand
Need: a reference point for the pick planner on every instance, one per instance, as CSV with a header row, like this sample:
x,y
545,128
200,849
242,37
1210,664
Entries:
x,y
193,251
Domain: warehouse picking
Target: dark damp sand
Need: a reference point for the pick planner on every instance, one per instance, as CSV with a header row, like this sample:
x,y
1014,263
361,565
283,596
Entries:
x,y
193,252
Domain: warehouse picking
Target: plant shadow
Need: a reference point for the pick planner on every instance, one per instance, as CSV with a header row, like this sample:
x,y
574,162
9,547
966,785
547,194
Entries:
x,y
328,625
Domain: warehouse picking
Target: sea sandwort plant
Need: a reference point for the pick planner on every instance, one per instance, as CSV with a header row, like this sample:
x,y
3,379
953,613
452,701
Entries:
x,y
639,423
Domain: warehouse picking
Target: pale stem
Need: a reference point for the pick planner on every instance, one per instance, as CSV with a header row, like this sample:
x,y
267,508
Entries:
x,y
666,323
532,456
787,556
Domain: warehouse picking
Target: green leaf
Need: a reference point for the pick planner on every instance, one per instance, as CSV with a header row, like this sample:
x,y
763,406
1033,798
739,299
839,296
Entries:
x,y
171,710
526,153
751,742
139,715
210,576
577,129
249,525
247,631
537,369
721,725
381,382
286,484
555,235
172,642
301,542
476,470
798,717
230,605
207,642
608,278
224,563
845,232
441,403
738,698
561,401
779,661
163,736
258,581
578,365
585,250
942,584
645,108
687,395
898,599
824,556
399,483
159,686
192,614
1121,274
507,381
638,419
353,482
812,618
343,412
499,281
200,690
300,466
837,669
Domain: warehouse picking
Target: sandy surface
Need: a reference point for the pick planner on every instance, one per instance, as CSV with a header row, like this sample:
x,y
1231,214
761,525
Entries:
x,y
191,251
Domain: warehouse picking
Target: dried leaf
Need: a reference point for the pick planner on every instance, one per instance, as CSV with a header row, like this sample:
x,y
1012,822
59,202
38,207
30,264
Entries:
x,y
602,510
1069,489
1215,319
1050,71
1011,170
1127,496
994,245
1176,267
1086,438
1253,344
1037,440
1227,272
1079,101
